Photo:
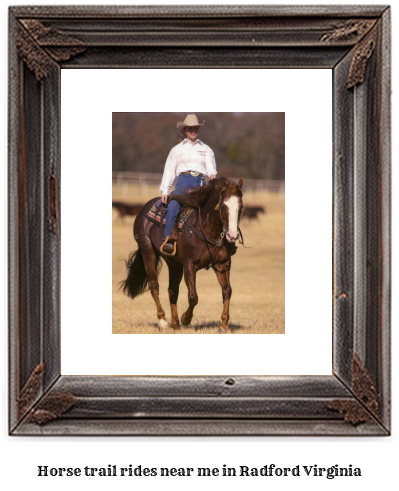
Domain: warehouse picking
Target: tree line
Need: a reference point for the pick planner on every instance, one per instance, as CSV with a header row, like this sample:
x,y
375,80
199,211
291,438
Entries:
x,y
251,145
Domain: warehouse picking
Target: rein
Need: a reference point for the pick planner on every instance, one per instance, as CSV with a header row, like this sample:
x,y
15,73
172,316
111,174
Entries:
x,y
216,243
241,241
202,235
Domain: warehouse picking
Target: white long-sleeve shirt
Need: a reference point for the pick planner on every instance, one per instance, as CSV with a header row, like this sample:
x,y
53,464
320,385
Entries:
x,y
186,157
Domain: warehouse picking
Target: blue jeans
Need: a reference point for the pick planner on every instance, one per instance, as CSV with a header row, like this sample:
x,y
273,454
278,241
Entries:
x,y
183,184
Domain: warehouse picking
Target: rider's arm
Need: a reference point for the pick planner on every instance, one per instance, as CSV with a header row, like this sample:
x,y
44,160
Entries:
x,y
169,173
210,163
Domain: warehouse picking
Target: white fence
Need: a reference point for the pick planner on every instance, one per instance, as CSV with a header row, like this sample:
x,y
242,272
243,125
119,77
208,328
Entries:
x,y
144,179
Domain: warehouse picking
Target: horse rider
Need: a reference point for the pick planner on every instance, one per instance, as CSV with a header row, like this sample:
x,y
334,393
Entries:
x,y
190,160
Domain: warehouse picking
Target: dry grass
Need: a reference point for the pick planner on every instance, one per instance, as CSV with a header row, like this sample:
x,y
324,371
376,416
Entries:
x,y
257,277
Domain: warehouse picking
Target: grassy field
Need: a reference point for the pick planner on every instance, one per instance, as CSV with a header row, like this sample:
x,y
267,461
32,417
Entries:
x,y
257,277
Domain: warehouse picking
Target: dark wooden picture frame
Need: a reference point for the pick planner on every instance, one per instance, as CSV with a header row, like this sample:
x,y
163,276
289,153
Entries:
x,y
353,42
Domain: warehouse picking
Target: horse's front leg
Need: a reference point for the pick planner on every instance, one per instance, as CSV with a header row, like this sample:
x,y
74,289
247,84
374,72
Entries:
x,y
223,277
175,276
190,278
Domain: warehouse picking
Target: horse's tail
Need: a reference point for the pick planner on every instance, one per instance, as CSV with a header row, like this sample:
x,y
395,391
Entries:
x,y
136,282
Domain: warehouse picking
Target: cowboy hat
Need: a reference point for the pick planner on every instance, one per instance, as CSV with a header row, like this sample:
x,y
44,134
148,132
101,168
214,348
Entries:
x,y
191,120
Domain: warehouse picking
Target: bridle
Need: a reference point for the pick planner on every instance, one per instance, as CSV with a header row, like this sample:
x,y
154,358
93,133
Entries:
x,y
209,240
218,207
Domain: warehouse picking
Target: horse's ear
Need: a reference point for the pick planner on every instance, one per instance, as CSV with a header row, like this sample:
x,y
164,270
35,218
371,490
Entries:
x,y
224,182
240,183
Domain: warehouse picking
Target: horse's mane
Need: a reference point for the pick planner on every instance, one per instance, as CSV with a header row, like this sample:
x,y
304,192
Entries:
x,y
199,195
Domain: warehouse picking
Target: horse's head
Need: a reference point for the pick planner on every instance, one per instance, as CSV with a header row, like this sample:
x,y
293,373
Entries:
x,y
230,207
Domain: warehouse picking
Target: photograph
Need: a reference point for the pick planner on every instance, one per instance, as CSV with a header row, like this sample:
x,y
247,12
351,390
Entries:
x,y
286,111
204,196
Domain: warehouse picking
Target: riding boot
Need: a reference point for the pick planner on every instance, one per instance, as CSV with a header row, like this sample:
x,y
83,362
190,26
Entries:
x,y
171,214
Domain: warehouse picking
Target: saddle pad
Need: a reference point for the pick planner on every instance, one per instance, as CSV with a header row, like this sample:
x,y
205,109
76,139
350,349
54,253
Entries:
x,y
154,215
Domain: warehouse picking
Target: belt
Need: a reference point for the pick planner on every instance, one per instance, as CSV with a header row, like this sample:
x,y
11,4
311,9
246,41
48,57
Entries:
x,y
193,173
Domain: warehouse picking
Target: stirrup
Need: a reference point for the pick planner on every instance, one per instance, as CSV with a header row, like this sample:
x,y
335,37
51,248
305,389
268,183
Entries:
x,y
174,247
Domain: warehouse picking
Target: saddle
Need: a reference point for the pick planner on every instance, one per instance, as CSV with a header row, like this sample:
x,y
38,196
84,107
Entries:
x,y
157,215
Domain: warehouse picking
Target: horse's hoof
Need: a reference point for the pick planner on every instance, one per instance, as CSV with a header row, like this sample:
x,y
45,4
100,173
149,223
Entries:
x,y
223,331
184,323
163,323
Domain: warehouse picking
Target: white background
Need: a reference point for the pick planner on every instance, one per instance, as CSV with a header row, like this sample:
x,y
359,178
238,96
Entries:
x,y
88,99
377,457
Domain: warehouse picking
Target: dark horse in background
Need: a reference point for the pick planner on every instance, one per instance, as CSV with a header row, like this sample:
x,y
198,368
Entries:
x,y
126,209
207,240
252,212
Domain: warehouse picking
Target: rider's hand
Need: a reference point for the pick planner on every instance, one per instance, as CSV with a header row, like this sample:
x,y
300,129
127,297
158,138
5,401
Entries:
x,y
212,176
164,199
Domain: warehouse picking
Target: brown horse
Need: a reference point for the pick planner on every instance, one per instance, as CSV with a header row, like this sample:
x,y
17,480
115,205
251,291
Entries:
x,y
208,240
